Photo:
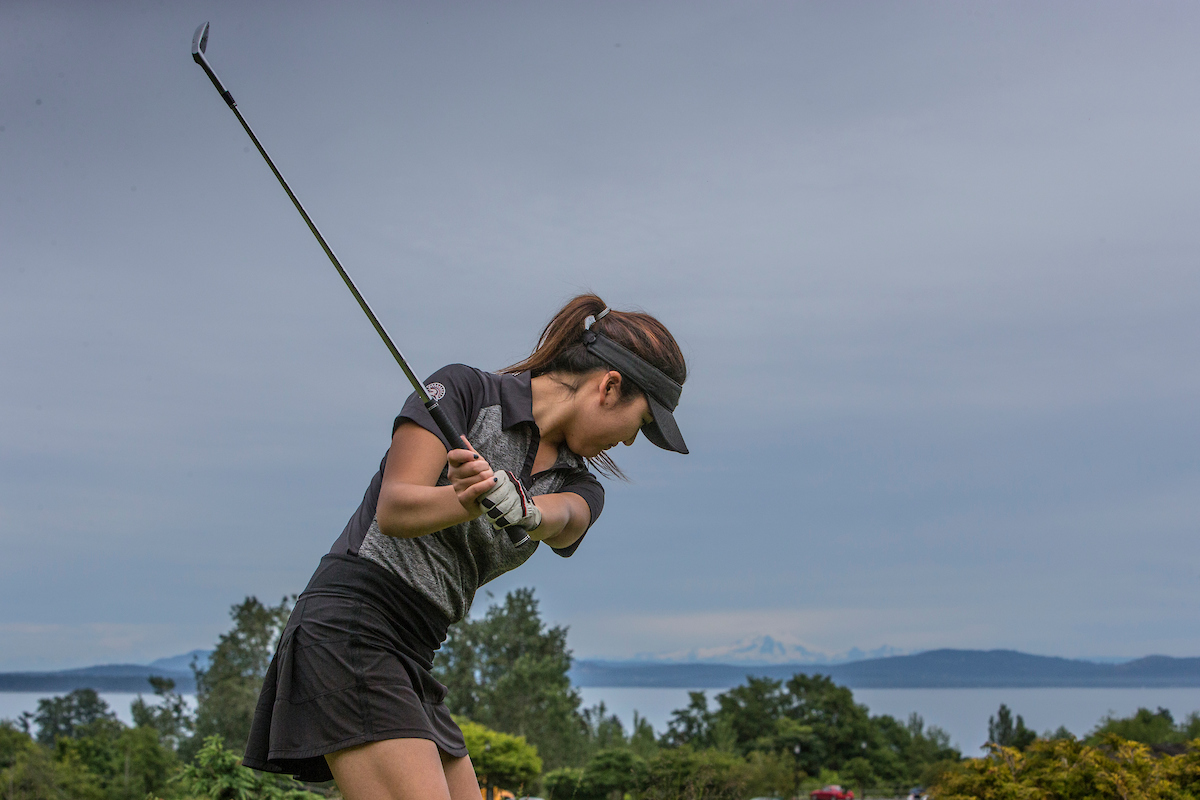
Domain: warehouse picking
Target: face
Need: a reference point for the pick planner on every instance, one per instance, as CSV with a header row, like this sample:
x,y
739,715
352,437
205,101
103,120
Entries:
x,y
604,420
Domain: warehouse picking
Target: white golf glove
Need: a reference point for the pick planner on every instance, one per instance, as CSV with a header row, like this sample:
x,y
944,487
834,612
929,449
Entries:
x,y
508,504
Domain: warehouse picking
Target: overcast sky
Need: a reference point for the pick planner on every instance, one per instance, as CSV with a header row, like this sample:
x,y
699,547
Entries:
x,y
935,266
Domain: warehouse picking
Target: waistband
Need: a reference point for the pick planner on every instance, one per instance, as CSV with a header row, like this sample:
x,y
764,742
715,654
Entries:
x,y
422,625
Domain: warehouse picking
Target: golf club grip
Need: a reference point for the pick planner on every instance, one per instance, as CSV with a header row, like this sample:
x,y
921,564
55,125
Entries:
x,y
516,534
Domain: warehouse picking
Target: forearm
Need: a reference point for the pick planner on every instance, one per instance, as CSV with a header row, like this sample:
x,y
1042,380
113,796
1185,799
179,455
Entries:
x,y
407,511
565,517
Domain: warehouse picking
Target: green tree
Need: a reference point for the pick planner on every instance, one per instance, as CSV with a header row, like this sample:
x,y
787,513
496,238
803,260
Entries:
x,y
681,773
841,729
500,759
227,689
772,774
1068,769
217,773
66,715
692,725
13,741
859,771
613,772
1003,732
35,775
170,717
603,730
641,737
565,783
1145,726
750,710
508,671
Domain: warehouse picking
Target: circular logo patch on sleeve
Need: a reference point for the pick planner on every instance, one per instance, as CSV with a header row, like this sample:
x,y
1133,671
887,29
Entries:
x,y
436,390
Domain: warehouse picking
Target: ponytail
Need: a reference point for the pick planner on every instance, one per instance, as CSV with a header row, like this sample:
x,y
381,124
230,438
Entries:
x,y
561,349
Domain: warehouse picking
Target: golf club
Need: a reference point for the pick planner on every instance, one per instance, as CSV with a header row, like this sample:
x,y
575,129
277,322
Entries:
x,y
199,46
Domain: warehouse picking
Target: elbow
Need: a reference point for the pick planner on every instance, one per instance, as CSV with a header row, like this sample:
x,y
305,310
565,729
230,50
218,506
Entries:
x,y
391,523
396,517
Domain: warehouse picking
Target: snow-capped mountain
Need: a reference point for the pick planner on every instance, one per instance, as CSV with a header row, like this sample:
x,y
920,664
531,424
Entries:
x,y
768,650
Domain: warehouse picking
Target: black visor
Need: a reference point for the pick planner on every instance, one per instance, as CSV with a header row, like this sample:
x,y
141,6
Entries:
x,y
661,392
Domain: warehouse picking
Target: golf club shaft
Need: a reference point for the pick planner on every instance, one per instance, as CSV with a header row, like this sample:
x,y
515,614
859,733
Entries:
x,y
453,437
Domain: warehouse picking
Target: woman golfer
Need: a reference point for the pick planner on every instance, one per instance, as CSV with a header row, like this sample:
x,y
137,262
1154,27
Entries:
x,y
349,694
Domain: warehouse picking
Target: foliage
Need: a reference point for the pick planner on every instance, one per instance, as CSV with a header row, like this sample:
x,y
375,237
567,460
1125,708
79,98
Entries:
x,y
68,714
603,730
564,783
681,773
169,717
1066,769
613,772
1003,732
508,671
1153,728
641,738
817,725
500,759
227,690
12,742
691,725
126,762
218,773
772,774
35,774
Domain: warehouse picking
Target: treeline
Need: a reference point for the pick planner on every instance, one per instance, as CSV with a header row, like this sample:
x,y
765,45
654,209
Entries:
x,y
75,746
508,671
528,732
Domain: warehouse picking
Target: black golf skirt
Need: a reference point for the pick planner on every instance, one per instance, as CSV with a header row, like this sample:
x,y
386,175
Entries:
x,y
353,666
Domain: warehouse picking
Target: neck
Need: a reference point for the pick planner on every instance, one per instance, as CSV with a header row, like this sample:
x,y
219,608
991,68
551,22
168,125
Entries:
x,y
552,408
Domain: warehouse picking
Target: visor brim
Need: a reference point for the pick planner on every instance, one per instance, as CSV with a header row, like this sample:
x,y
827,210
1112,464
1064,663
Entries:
x,y
663,432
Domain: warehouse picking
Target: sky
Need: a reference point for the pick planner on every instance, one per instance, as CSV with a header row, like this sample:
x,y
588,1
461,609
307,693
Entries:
x,y
934,266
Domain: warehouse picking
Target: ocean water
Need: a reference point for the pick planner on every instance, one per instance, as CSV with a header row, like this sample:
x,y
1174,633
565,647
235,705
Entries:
x,y
963,713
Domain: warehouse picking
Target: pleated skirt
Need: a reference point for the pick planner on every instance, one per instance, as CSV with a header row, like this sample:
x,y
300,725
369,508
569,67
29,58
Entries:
x,y
353,666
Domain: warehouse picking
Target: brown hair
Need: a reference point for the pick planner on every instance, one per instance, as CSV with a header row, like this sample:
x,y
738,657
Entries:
x,y
560,348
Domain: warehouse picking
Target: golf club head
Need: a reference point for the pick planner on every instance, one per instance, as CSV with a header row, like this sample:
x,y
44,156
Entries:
x,y
199,45
200,41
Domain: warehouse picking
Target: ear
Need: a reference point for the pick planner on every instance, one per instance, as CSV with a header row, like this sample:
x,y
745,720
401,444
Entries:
x,y
610,388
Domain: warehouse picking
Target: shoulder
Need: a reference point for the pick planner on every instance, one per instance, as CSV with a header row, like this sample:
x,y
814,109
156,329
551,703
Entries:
x,y
456,377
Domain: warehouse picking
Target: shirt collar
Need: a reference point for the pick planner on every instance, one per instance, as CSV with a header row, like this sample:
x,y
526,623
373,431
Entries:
x,y
516,407
516,399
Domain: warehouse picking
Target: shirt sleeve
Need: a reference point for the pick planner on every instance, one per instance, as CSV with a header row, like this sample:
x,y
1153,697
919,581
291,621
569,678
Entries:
x,y
584,484
458,390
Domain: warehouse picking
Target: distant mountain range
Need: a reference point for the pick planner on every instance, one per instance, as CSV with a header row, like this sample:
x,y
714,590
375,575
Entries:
x,y
110,677
763,650
933,669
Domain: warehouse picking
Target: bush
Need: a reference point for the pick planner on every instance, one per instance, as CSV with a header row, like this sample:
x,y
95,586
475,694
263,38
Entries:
x,y
218,773
1066,769
684,774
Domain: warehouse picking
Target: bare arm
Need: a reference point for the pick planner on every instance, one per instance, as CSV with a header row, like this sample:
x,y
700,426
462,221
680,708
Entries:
x,y
410,504
565,517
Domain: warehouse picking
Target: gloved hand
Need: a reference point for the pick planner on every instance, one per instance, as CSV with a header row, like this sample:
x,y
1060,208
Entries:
x,y
509,504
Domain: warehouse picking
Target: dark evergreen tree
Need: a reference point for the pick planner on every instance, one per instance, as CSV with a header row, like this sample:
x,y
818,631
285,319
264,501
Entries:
x,y
508,671
170,717
67,715
227,689
1002,731
692,725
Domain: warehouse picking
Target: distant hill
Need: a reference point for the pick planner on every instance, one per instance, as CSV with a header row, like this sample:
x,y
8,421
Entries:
x,y
933,669
102,678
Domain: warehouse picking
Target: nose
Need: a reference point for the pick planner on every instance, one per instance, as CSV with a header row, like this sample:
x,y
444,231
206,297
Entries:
x,y
629,442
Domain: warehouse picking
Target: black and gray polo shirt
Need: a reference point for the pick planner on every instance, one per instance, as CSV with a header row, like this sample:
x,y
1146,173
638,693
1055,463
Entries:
x,y
450,565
